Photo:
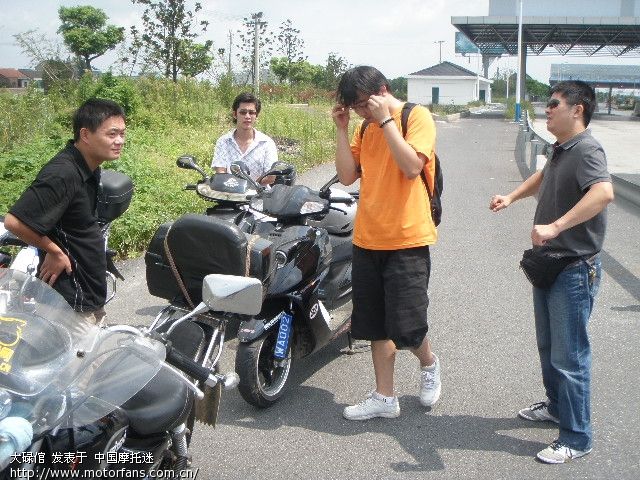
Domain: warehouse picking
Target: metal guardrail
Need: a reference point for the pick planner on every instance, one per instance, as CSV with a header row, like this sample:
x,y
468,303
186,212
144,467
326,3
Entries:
x,y
529,145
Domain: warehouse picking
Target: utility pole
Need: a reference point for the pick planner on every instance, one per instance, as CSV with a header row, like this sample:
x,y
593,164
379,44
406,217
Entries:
x,y
230,45
255,17
440,42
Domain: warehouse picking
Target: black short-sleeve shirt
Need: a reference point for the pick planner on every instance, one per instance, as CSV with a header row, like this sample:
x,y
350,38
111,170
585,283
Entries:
x,y
61,204
576,164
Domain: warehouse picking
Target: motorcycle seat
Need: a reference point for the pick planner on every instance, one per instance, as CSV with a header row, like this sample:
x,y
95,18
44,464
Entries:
x,y
165,402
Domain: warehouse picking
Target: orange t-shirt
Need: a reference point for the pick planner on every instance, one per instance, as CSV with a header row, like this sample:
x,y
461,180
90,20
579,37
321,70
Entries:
x,y
393,211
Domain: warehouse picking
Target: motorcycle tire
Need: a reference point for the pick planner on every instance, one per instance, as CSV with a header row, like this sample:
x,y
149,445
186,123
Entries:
x,y
262,378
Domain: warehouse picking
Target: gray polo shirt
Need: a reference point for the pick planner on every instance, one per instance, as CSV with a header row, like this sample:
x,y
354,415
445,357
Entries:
x,y
576,164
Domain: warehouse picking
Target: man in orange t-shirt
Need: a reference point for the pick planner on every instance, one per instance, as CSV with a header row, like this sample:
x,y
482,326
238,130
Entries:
x,y
393,231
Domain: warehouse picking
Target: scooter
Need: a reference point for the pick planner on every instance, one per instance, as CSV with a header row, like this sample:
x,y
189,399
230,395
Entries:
x,y
79,400
302,256
308,298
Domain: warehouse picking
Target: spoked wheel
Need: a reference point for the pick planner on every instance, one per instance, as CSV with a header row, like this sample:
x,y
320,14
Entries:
x,y
262,377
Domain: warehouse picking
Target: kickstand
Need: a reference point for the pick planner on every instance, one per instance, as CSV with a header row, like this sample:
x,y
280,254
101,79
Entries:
x,y
354,348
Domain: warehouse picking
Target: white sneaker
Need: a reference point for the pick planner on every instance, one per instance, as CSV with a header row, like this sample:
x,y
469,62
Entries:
x,y
430,385
372,406
538,412
558,452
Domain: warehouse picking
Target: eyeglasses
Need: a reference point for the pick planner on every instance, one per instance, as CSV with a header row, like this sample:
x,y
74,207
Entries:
x,y
360,104
253,113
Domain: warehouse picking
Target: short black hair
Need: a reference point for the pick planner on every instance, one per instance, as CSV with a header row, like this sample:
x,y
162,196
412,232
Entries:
x,y
364,79
577,92
93,113
246,97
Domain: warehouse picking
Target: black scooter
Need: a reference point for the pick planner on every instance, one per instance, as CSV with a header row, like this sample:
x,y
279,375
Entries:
x,y
302,256
308,296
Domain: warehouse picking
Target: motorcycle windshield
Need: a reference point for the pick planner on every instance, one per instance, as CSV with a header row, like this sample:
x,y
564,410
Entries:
x,y
57,368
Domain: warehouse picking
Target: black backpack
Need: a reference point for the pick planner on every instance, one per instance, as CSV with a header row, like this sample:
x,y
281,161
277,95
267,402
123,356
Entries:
x,y
434,197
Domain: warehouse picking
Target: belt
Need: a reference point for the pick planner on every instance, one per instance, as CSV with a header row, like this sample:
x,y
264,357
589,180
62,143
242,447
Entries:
x,y
588,259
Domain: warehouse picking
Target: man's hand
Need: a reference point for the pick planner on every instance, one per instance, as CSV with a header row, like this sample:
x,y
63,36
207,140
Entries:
x,y
541,233
53,266
378,107
499,202
340,115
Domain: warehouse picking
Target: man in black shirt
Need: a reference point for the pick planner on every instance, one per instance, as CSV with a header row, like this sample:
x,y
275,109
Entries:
x,y
57,212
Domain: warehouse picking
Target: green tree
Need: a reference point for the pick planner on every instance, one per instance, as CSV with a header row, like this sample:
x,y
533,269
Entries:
x,y
302,72
333,70
86,33
399,87
168,38
280,68
536,90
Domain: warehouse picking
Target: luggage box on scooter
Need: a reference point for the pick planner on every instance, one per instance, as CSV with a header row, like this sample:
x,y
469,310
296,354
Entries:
x,y
200,245
114,195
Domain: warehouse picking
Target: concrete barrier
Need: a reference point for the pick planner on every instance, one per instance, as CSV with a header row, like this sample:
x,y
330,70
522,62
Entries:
x,y
627,186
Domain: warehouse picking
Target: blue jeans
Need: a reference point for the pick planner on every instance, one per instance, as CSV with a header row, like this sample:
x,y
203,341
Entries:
x,y
562,313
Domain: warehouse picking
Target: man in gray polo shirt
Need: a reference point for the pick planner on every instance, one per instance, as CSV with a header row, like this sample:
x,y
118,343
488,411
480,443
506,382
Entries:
x,y
574,189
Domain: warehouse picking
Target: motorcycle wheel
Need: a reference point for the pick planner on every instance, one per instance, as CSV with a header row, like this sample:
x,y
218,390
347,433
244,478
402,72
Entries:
x,y
262,378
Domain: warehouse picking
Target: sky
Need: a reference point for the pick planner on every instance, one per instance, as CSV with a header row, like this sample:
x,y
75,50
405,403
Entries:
x,y
398,37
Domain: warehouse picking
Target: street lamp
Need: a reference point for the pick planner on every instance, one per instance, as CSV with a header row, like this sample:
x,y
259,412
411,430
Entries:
x,y
440,42
518,112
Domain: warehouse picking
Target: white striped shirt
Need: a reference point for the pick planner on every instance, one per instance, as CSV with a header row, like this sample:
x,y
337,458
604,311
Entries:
x,y
259,157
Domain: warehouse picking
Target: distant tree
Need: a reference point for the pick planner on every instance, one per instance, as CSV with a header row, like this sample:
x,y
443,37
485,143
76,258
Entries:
x,y
167,41
536,90
194,58
291,46
280,68
399,87
246,44
333,70
47,57
86,33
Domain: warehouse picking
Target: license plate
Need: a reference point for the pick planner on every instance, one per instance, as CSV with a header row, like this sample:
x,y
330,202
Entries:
x,y
284,334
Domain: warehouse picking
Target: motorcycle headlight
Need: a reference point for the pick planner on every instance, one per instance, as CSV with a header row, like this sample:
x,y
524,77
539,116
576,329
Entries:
x,y
256,204
311,207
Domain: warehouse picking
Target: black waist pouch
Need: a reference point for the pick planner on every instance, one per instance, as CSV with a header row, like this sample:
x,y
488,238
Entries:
x,y
541,268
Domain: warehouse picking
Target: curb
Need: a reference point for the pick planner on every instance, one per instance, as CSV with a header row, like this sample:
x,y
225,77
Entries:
x,y
627,186
453,117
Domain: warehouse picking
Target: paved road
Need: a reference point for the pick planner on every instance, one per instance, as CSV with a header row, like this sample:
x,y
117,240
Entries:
x,y
481,327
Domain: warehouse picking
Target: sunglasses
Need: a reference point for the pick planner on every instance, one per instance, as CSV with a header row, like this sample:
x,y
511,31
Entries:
x,y
553,103
247,112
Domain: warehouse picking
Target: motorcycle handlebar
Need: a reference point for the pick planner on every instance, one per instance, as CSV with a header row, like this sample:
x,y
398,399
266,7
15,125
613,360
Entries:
x,y
341,200
187,365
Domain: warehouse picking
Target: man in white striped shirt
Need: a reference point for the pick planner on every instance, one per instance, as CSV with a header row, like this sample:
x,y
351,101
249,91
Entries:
x,y
256,149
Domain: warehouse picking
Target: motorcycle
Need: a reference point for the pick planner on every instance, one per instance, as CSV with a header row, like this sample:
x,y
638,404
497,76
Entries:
x,y
302,256
115,192
75,397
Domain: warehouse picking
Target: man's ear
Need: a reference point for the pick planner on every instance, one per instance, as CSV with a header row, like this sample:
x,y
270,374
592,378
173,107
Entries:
x,y
84,134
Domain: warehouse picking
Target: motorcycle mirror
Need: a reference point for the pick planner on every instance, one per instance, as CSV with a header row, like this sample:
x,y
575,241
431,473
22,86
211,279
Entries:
x,y
324,190
280,168
232,294
240,169
188,162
